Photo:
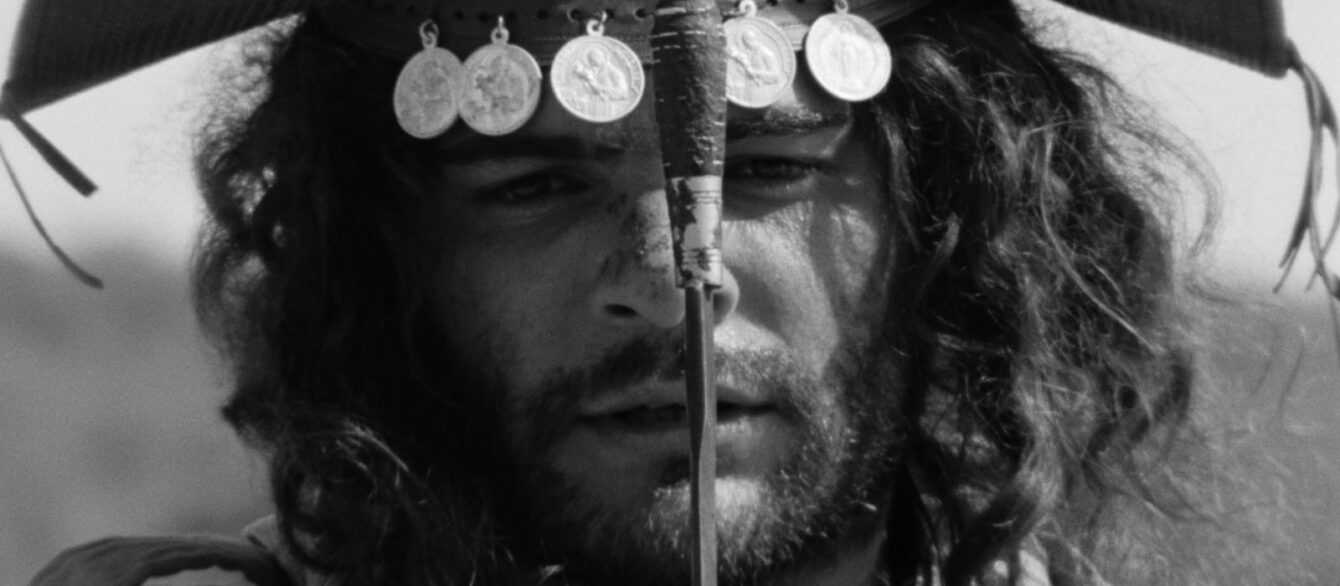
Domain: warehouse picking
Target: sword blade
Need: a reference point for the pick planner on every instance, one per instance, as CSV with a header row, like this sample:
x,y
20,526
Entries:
x,y
702,407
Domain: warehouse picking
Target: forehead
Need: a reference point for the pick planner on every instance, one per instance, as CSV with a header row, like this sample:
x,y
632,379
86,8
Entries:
x,y
803,104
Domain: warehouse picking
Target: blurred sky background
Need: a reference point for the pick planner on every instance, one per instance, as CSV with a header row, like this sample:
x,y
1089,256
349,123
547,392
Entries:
x,y
108,399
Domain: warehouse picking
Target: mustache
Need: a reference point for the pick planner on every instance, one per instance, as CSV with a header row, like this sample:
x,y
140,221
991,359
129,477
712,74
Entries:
x,y
658,359
662,359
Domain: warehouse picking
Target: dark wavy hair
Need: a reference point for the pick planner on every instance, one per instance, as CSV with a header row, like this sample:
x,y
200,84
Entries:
x,y
1035,298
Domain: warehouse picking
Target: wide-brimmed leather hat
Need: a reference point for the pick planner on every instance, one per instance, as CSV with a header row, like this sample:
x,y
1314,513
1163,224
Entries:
x,y
65,46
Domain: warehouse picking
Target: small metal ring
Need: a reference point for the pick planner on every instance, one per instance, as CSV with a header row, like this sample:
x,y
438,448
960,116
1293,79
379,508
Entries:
x,y
428,33
841,6
749,8
500,33
597,27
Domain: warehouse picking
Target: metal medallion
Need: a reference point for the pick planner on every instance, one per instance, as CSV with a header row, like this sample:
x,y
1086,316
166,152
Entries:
x,y
502,89
425,97
760,63
847,56
502,86
597,78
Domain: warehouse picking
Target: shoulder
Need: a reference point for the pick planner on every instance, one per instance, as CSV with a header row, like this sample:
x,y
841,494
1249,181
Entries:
x,y
163,561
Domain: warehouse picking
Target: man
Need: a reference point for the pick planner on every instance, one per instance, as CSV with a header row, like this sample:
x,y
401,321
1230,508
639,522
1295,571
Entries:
x,y
951,341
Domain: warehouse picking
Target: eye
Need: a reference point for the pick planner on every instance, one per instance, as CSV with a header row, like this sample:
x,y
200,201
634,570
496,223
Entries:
x,y
775,170
759,184
536,189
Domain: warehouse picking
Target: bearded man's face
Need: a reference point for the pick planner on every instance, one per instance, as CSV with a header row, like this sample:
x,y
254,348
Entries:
x,y
559,288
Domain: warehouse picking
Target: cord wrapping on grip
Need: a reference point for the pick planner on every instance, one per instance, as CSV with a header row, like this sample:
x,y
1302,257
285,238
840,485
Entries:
x,y
695,220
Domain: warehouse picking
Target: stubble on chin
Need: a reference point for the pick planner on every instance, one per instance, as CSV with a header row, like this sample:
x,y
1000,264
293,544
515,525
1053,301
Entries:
x,y
827,493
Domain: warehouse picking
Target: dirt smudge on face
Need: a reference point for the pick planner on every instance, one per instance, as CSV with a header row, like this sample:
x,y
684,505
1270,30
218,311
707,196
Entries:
x,y
643,245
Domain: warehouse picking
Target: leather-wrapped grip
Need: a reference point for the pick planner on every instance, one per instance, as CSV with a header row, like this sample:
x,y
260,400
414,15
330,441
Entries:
x,y
689,75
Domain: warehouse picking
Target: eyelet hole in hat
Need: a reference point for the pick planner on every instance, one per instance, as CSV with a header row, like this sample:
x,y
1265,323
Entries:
x,y
541,14
641,14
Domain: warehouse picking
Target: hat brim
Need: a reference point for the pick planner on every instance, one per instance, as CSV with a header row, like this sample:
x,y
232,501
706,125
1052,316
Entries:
x,y
1249,33
63,47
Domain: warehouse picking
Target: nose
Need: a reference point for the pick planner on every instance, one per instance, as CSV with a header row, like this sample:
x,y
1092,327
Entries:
x,y
636,278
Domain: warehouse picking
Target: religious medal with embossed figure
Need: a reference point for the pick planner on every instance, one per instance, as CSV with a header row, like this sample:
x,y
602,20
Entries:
x,y
847,56
761,64
502,88
597,78
426,96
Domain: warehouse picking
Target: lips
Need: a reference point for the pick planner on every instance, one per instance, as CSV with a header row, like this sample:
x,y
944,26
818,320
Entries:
x,y
670,416
662,407
636,432
665,395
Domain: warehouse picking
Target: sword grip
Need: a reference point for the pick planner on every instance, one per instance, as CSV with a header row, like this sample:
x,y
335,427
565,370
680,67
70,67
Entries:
x,y
689,69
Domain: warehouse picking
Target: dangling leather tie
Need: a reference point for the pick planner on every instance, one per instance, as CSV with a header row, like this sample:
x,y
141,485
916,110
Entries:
x,y
1321,121
70,173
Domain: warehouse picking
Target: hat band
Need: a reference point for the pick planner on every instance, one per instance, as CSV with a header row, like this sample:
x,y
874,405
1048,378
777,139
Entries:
x,y
542,28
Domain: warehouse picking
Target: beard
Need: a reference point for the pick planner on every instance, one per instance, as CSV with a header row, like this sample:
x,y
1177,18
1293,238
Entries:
x,y
828,495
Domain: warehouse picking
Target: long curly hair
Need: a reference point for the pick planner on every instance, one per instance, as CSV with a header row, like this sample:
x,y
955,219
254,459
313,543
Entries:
x,y
1035,298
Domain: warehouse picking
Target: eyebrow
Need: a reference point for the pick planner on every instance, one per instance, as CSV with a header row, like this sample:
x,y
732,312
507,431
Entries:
x,y
773,123
789,122
519,146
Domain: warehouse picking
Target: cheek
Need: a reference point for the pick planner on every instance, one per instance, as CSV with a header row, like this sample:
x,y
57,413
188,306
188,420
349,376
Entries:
x,y
810,274
848,253
501,309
